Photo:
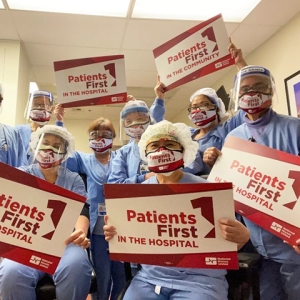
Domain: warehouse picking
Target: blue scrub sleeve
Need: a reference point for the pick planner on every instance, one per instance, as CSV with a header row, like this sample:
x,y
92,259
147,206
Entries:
x,y
158,110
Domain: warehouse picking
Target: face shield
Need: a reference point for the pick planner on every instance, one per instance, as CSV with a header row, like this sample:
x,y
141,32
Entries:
x,y
135,124
39,107
51,146
135,118
100,141
50,151
253,89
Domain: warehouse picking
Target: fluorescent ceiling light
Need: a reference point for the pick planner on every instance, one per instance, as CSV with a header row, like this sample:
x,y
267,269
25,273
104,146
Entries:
x,y
232,10
1,5
110,8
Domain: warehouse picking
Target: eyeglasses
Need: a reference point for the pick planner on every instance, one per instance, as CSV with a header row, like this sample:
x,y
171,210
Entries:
x,y
168,144
202,106
257,87
94,135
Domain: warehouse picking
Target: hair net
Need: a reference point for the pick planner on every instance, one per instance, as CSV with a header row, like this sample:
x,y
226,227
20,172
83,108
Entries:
x,y
212,95
55,130
179,131
135,106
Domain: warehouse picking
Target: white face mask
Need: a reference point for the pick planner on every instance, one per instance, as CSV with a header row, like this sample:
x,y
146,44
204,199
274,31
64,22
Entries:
x,y
48,157
100,145
203,118
164,160
136,131
40,116
254,102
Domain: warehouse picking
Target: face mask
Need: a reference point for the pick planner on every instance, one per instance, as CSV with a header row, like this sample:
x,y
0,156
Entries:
x,y
254,102
164,160
48,157
40,116
136,132
100,145
203,118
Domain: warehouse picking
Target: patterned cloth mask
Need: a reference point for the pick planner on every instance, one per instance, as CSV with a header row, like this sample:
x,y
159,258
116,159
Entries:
x,y
254,102
203,118
40,116
164,160
136,131
100,145
49,157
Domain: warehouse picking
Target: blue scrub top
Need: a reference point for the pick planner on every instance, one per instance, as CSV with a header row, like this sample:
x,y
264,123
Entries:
x,y
96,176
12,151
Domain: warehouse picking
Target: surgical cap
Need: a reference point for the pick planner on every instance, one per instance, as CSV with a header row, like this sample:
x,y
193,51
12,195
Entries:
x,y
135,106
212,95
54,130
179,131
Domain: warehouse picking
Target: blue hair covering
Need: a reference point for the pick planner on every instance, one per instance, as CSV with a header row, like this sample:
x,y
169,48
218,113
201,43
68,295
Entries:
x,y
135,106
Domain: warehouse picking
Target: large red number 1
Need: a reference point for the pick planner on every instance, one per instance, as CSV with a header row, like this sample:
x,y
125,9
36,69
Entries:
x,y
207,211
58,208
112,71
209,32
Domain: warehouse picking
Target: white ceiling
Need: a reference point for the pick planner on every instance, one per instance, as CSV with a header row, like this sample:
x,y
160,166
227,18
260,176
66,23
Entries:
x,y
49,37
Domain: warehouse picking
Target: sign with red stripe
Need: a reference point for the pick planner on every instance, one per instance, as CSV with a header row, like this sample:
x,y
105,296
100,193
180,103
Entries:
x,y
266,185
36,217
196,52
171,224
91,81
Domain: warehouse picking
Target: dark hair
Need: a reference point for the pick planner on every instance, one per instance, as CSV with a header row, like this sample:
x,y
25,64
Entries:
x,y
103,124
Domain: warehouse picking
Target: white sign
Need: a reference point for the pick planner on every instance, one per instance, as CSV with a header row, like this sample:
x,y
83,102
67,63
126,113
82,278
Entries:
x,y
195,53
36,217
266,185
91,81
171,225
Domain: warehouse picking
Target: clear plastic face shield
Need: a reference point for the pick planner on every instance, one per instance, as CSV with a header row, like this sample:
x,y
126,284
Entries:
x,y
253,90
164,154
135,124
100,141
39,107
50,152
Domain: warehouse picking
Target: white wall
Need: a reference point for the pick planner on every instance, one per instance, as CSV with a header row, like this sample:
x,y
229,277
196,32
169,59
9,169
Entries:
x,y
14,77
280,54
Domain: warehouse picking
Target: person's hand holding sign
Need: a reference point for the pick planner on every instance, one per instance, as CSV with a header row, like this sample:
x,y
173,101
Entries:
x,y
109,230
237,55
234,231
159,89
78,237
210,156
59,112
